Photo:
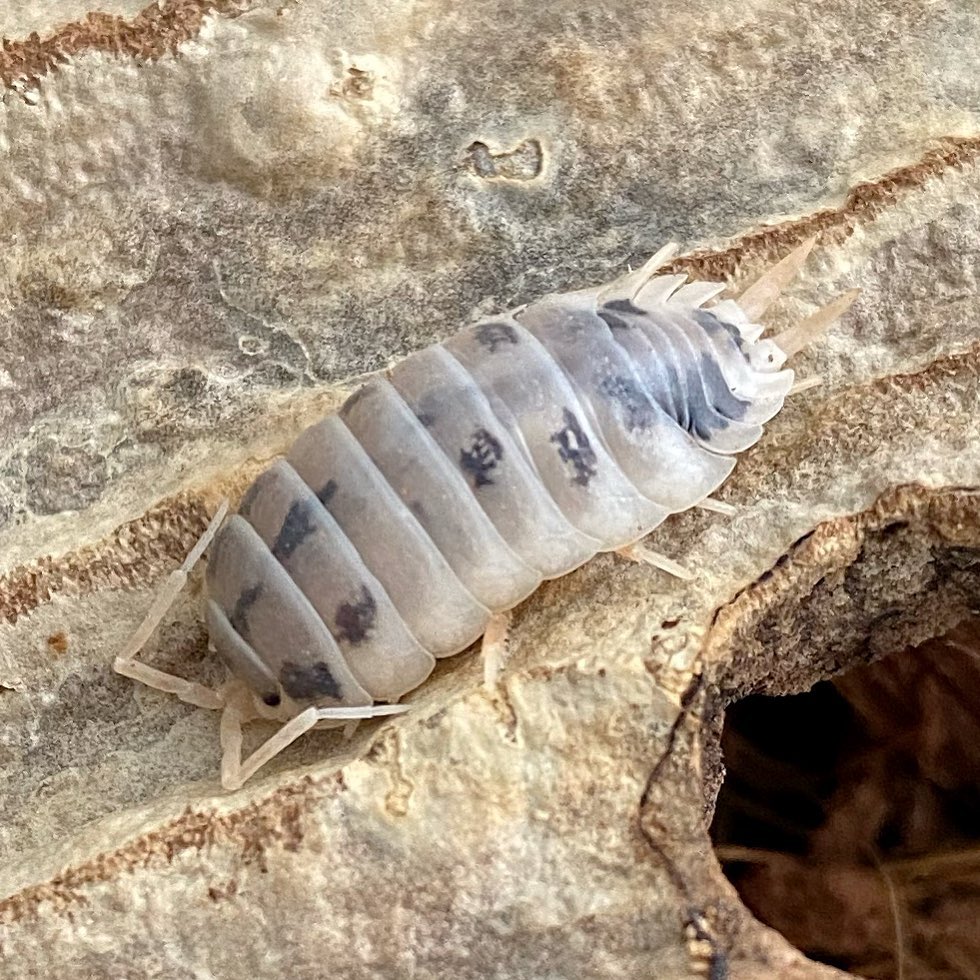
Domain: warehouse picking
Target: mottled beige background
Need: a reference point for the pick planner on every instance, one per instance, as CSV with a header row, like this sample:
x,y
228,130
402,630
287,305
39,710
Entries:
x,y
215,217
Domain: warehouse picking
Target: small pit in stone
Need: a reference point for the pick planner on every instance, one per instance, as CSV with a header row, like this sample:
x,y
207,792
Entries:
x,y
849,816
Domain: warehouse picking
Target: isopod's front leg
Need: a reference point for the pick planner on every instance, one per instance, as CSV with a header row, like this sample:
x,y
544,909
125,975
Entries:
x,y
159,680
126,662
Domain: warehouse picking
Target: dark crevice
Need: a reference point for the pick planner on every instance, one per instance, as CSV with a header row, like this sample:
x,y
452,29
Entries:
x,y
849,816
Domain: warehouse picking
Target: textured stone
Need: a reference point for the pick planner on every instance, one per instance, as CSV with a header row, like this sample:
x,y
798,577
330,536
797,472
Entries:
x,y
216,218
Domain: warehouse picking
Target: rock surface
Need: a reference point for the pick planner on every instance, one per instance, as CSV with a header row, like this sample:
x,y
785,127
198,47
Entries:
x,y
217,216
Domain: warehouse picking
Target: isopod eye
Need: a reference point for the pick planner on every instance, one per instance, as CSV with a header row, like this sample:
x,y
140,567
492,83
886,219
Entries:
x,y
272,700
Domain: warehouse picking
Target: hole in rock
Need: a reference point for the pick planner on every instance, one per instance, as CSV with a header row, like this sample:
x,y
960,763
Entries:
x,y
849,816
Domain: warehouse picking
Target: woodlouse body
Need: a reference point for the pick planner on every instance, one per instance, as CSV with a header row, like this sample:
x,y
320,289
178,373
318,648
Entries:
x,y
398,530
449,489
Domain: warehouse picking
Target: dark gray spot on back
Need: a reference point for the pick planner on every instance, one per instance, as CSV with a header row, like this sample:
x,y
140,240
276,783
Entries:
x,y
671,397
249,498
720,395
426,418
354,620
622,306
304,683
713,326
574,448
239,615
702,418
484,452
296,528
353,400
494,335
325,494
612,321
638,410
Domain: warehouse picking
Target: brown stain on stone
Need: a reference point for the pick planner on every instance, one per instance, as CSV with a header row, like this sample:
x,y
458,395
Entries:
x,y
274,821
58,642
221,893
157,30
862,204
132,555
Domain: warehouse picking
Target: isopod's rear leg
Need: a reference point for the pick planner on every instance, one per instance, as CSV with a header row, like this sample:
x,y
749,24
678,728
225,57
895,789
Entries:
x,y
238,710
814,381
641,553
126,662
494,648
717,507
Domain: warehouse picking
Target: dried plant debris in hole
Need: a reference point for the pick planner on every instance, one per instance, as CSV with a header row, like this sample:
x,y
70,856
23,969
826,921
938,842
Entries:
x,y
849,818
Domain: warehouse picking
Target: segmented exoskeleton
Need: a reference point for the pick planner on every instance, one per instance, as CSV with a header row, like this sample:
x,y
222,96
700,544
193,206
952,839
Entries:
x,y
444,492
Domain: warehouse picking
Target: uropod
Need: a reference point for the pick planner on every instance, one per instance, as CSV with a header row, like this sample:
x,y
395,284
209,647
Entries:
x,y
404,527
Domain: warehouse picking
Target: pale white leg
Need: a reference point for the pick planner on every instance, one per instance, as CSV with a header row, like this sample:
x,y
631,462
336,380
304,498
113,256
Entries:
x,y
660,258
717,507
126,663
235,773
232,719
792,341
697,293
768,287
494,648
806,384
629,285
647,556
159,680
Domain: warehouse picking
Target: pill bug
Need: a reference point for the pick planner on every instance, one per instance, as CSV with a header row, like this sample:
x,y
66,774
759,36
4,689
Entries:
x,y
396,531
